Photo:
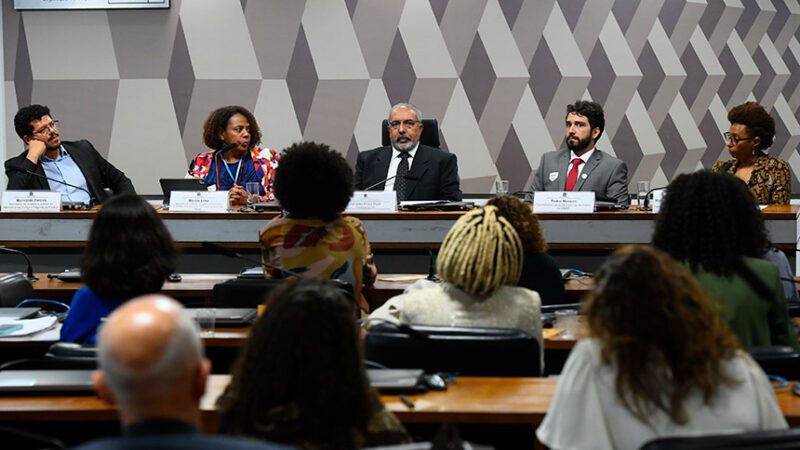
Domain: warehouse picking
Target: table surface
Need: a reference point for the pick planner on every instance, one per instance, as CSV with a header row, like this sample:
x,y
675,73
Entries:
x,y
468,400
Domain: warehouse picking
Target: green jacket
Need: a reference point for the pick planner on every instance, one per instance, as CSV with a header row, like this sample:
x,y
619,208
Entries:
x,y
755,320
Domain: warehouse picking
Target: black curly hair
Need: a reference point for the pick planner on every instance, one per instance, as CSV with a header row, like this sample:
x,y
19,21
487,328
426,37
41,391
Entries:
x,y
217,121
710,220
26,115
313,181
757,120
592,111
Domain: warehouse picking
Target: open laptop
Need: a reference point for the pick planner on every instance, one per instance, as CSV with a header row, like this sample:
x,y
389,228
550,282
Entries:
x,y
230,317
387,380
180,184
46,381
18,313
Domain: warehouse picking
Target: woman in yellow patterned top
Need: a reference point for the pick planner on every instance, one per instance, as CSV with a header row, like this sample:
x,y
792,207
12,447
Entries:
x,y
314,184
750,134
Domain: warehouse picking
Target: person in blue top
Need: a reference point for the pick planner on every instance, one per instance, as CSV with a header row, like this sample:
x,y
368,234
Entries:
x,y
129,253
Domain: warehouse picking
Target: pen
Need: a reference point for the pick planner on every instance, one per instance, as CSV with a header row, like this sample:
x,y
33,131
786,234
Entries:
x,y
407,401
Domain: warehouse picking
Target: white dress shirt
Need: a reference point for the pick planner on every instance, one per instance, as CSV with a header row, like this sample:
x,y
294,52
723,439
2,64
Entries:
x,y
396,162
585,157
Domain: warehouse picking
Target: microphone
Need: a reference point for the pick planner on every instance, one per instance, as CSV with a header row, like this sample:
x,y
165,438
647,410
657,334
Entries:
x,y
432,268
224,149
646,206
92,198
407,177
31,276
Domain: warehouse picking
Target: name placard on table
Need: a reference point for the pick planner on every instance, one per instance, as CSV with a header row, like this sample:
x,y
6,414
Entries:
x,y
372,201
563,202
199,201
31,201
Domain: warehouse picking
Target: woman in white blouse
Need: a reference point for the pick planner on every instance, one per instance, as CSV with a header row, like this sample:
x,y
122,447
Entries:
x,y
659,362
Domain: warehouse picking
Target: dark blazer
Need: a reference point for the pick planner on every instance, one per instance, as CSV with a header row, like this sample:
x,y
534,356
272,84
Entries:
x,y
98,172
435,173
169,435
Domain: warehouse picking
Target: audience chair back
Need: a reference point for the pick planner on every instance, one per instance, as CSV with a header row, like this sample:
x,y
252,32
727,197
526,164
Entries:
x,y
429,135
50,363
14,288
243,293
780,360
781,439
501,352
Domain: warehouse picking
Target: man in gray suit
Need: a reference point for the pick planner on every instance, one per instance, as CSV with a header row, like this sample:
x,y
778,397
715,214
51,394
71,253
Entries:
x,y
581,166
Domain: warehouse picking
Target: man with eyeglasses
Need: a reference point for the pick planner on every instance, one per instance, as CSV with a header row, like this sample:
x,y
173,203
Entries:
x,y
76,163
581,166
415,171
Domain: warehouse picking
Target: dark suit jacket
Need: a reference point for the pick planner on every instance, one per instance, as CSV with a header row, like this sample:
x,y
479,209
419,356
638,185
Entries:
x,y
434,172
98,172
169,435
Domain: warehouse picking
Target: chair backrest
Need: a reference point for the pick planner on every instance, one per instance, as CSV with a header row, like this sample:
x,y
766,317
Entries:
x,y
243,292
781,439
778,360
501,352
15,287
429,136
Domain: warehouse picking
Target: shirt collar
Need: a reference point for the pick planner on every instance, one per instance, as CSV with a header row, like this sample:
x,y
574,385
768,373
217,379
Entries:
x,y
160,426
585,157
64,153
396,152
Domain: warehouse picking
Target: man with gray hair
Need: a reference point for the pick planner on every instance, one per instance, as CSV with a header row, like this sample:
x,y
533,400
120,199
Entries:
x,y
152,367
415,171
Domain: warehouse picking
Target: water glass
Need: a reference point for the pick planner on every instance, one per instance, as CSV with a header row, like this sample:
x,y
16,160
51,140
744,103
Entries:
x,y
501,187
642,188
253,189
206,319
567,322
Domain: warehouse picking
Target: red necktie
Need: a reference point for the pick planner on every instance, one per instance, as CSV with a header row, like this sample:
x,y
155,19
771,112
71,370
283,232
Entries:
x,y
572,176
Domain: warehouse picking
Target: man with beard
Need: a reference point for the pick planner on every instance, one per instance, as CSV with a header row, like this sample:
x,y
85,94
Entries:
x,y
76,163
416,172
581,166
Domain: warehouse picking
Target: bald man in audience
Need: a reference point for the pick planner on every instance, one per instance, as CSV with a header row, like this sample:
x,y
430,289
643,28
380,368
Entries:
x,y
152,367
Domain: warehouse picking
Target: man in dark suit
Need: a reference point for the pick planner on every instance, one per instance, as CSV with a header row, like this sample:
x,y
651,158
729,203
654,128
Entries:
x,y
416,172
581,166
158,381
76,163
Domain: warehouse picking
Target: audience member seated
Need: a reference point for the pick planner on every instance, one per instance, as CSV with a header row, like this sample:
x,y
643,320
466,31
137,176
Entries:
x,y
710,222
540,271
231,170
129,253
158,382
314,184
300,378
659,362
749,137
480,264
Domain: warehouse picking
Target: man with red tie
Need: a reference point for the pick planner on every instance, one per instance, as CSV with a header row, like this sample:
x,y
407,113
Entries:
x,y
581,166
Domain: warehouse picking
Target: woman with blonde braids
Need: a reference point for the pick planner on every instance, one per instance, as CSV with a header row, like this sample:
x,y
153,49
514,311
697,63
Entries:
x,y
480,263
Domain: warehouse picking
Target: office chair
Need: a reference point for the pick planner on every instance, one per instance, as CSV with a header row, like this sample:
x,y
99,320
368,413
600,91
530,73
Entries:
x,y
429,135
50,363
243,292
781,439
780,360
14,288
501,352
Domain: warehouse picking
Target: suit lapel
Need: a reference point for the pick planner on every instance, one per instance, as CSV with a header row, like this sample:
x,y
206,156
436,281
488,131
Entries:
x,y
382,161
587,169
563,165
83,165
418,169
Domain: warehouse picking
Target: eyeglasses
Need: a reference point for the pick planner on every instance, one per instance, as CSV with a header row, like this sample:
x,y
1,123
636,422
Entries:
x,y
52,126
734,139
395,124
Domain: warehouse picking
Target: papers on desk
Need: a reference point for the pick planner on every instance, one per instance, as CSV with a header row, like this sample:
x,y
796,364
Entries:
x,y
10,328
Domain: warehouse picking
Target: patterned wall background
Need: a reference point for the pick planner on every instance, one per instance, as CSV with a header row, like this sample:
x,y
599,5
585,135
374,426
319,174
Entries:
x,y
496,73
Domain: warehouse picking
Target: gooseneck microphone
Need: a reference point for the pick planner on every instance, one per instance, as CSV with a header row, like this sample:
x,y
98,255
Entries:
x,y
224,251
646,206
92,199
224,149
407,177
31,276
432,268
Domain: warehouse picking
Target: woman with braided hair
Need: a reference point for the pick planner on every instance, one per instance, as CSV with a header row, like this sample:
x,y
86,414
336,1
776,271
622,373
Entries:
x,y
480,264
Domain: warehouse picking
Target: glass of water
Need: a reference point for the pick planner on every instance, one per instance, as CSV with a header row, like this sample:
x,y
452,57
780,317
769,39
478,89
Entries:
x,y
642,188
501,187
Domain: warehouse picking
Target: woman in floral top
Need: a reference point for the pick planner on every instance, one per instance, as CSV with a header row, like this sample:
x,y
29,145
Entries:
x,y
234,130
750,134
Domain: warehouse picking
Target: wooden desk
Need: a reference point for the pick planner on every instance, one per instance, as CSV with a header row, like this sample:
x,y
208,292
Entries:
x,y
469,400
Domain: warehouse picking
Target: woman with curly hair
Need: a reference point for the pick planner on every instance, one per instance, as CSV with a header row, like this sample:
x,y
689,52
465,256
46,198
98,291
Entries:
x,y
710,222
129,253
751,133
314,184
300,379
235,128
539,270
658,362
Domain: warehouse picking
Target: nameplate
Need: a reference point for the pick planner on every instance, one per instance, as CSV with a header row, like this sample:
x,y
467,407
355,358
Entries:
x,y
563,202
31,201
199,201
658,196
372,201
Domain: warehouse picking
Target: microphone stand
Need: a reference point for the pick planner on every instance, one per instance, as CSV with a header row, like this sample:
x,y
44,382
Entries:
x,y
31,276
92,199
432,268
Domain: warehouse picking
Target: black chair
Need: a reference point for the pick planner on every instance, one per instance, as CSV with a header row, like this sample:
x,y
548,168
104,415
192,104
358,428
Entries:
x,y
50,363
780,360
781,439
429,135
15,287
501,352
243,292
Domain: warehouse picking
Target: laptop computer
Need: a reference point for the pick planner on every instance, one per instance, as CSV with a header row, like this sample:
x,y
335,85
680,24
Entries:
x,y
180,184
46,381
18,313
405,380
230,317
